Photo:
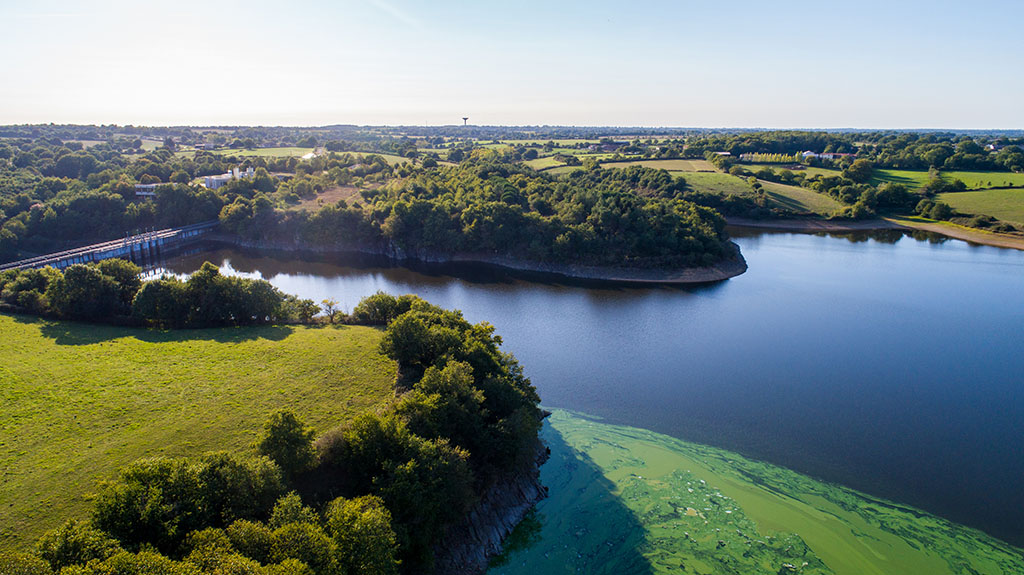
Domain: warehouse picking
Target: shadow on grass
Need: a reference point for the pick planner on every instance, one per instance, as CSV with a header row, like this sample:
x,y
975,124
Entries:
x,y
77,333
585,526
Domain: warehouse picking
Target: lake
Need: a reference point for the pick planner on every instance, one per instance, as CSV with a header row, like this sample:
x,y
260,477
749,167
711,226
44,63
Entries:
x,y
885,363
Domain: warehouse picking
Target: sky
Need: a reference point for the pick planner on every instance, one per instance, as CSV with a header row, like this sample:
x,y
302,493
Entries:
x,y
754,64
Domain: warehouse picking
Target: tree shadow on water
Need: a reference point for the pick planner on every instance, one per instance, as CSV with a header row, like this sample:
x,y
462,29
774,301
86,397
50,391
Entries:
x,y
585,527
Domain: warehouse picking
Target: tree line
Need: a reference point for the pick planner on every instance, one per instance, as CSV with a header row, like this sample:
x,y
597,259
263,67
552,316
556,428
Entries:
x,y
112,291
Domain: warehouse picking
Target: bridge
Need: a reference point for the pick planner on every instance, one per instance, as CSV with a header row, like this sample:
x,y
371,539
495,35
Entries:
x,y
139,248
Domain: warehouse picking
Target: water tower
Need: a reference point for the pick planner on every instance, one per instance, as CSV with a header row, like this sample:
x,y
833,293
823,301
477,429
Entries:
x,y
464,120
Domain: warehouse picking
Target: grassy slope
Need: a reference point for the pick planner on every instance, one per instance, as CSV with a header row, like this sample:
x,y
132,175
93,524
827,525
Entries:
x,y
982,180
798,199
629,500
81,400
717,183
1007,205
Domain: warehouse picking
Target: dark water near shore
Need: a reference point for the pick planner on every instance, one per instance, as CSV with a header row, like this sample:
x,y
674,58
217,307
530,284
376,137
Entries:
x,y
891,365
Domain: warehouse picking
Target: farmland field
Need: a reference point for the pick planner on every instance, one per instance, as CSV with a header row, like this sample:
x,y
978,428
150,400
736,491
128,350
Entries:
x,y
982,180
796,199
717,183
542,163
670,165
1006,205
285,152
82,400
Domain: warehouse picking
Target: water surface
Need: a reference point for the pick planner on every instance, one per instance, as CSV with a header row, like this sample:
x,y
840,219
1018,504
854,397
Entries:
x,y
891,365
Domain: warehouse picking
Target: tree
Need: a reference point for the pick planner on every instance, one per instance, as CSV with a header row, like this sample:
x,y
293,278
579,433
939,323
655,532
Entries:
x,y
859,171
289,509
365,539
12,563
75,543
288,443
125,275
307,543
330,308
161,302
83,292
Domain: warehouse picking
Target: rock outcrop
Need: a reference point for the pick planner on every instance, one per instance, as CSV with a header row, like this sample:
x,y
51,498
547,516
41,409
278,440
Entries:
x,y
470,544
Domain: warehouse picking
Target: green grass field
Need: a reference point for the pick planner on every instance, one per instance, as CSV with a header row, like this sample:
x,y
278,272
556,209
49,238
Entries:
x,y
627,500
796,199
983,180
81,400
670,165
285,152
562,170
543,163
717,183
1006,205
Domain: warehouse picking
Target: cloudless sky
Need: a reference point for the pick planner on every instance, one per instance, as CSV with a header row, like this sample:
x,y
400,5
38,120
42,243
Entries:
x,y
863,64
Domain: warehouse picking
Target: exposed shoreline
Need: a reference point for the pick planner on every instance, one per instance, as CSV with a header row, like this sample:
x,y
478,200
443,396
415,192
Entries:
x,y
889,223
725,269
815,225
966,234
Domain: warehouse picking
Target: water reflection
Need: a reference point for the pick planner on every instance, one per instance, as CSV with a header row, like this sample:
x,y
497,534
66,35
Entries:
x,y
878,360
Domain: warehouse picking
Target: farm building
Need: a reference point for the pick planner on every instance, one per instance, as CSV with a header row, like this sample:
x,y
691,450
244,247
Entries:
x,y
214,182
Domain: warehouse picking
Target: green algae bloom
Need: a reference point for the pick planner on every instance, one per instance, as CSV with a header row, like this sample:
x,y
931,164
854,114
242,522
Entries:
x,y
626,500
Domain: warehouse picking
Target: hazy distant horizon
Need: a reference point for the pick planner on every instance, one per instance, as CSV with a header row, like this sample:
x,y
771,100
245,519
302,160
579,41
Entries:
x,y
530,127
876,65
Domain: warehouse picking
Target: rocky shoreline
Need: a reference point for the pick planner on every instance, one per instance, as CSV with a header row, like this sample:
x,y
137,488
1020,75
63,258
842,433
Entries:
x,y
469,546
730,267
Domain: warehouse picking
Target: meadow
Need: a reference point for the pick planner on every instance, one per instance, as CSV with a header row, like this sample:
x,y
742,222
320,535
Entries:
x,y
984,180
1006,205
670,165
796,199
283,152
82,400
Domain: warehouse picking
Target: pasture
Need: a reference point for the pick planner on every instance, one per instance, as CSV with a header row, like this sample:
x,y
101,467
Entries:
x,y
81,400
542,163
283,152
670,165
984,180
1006,205
796,199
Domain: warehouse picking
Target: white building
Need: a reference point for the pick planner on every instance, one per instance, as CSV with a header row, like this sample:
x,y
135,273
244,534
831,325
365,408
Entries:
x,y
214,182
146,190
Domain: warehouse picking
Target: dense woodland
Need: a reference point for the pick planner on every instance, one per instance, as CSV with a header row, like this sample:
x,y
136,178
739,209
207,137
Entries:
x,y
63,186
373,496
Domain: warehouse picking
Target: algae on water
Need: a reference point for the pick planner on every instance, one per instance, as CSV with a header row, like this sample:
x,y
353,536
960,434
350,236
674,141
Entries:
x,y
625,500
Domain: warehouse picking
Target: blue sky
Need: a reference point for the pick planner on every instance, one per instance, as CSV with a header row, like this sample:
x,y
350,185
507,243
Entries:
x,y
739,64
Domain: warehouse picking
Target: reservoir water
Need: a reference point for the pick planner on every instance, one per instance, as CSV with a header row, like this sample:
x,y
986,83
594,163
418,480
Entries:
x,y
889,364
